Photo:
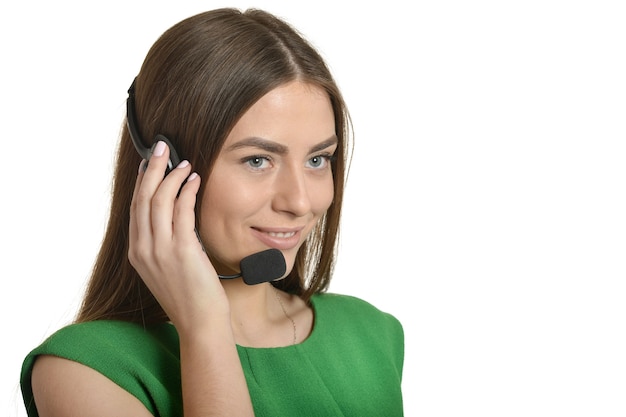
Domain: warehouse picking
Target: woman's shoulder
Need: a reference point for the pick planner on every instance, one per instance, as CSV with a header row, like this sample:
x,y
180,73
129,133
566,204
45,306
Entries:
x,y
363,329
94,328
132,355
106,336
353,309
342,301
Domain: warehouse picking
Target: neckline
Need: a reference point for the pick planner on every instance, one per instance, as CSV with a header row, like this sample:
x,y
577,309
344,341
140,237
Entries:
x,y
312,335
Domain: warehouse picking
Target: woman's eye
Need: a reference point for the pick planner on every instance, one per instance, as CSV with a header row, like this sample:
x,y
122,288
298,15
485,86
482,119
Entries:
x,y
257,162
319,161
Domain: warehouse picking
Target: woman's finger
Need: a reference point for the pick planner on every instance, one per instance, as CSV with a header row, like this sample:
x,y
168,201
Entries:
x,y
147,185
133,227
164,201
184,211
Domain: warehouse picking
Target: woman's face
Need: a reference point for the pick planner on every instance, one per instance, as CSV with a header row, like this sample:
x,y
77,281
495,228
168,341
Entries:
x,y
272,180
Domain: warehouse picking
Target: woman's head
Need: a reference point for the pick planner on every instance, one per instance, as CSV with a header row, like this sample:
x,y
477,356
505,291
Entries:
x,y
197,81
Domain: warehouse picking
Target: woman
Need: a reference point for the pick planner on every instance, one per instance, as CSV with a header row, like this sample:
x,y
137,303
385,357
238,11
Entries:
x,y
168,326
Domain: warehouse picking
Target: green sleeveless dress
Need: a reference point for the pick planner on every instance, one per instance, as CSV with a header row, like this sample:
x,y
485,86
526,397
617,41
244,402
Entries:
x,y
351,364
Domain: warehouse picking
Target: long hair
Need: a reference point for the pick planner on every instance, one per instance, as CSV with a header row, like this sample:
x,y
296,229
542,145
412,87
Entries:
x,y
195,83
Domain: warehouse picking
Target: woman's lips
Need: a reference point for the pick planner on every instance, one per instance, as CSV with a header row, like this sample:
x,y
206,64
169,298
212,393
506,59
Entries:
x,y
282,239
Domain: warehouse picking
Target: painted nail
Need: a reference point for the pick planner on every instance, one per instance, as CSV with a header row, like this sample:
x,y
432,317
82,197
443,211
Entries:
x,y
159,148
183,164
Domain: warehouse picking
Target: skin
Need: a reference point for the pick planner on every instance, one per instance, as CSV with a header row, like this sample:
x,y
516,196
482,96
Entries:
x,y
270,185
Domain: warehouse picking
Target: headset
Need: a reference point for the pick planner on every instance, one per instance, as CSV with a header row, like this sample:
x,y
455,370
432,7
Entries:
x,y
133,130
264,266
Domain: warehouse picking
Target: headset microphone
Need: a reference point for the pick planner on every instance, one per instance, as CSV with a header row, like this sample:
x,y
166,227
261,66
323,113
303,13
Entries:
x,y
268,265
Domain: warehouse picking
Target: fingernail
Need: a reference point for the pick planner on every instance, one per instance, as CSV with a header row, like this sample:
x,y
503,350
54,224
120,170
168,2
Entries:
x,y
192,177
159,148
183,164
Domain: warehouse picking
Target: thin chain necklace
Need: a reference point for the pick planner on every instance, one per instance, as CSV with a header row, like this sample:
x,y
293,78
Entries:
x,y
280,301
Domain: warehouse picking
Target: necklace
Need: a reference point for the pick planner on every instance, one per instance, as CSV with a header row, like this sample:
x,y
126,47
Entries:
x,y
293,323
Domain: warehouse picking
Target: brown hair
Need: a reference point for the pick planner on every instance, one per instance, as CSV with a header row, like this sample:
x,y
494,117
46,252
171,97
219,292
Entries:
x,y
197,80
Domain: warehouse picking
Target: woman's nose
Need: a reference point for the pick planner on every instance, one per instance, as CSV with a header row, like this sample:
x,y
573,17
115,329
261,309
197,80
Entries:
x,y
291,192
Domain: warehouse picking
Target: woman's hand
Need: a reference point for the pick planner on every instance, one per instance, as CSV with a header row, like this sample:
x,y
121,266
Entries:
x,y
164,248
167,254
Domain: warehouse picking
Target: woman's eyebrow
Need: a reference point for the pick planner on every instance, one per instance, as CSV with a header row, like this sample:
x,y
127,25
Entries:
x,y
331,141
256,142
275,147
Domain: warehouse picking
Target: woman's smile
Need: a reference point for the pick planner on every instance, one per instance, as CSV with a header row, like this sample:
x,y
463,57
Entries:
x,y
279,239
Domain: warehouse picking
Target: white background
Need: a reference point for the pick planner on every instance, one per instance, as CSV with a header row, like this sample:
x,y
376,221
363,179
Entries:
x,y
485,207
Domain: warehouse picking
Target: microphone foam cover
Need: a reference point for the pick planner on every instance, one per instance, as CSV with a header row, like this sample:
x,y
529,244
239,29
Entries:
x,y
264,266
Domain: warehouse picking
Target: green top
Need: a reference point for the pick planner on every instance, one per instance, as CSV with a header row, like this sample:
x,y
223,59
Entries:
x,y
350,365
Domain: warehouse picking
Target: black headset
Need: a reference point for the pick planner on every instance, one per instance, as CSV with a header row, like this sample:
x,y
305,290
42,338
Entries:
x,y
135,136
